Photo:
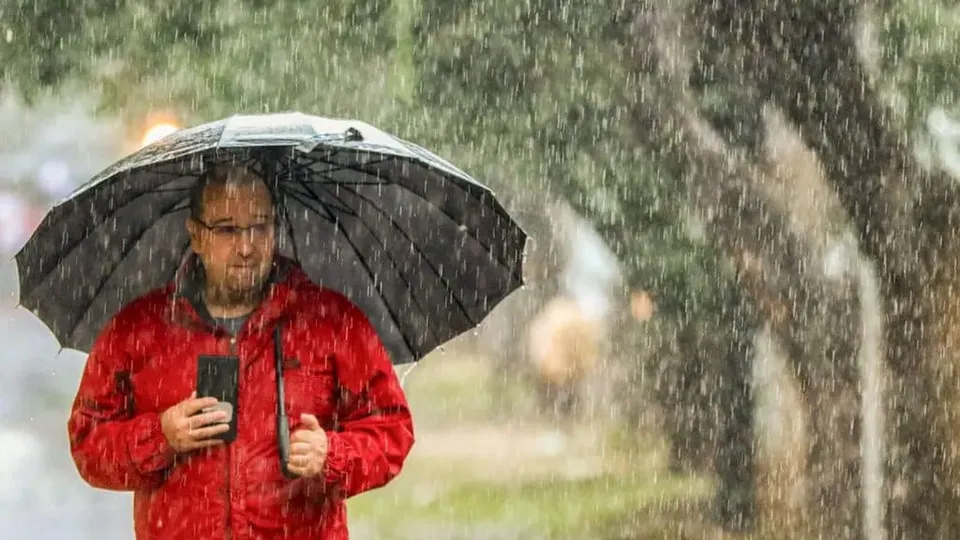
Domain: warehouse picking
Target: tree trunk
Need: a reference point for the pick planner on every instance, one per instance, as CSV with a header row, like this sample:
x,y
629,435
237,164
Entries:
x,y
815,318
735,460
907,221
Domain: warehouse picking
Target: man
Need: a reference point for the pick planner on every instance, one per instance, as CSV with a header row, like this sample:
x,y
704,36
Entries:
x,y
137,425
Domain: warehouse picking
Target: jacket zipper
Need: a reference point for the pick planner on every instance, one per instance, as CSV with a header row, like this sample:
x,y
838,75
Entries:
x,y
228,530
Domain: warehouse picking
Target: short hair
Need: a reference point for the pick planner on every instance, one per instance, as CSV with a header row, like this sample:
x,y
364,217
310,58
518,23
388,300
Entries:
x,y
221,175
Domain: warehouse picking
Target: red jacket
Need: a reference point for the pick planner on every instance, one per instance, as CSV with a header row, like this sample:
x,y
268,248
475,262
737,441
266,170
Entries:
x,y
335,367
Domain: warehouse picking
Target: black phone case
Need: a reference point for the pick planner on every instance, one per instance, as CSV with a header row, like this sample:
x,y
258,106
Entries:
x,y
218,376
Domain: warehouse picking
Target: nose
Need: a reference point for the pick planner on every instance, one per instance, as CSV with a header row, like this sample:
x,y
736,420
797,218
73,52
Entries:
x,y
244,244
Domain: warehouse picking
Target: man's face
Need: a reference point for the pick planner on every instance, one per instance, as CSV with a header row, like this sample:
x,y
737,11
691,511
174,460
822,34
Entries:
x,y
235,238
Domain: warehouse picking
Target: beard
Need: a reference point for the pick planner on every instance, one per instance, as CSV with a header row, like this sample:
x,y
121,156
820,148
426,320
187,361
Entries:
x,y
244,288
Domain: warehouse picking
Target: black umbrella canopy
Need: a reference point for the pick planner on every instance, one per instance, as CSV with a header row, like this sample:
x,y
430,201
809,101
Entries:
x,y
423,249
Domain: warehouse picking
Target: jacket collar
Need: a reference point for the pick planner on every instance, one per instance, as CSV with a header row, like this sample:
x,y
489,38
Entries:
x,y
189,308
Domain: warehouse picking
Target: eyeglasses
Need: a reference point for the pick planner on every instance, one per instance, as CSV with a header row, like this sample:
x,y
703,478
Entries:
x,y
257,231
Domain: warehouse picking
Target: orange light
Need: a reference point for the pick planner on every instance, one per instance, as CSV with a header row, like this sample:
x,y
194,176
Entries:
x,y
157,132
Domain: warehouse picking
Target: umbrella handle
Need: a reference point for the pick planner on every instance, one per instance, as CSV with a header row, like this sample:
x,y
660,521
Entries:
x,y
283,423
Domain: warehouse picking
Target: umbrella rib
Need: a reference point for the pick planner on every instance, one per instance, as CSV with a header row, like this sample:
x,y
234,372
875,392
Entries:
x,y
360,169
323,211
423,257
291,169
396,265
105,219
345,210
166,190
293,238
209,157
333,166
419,162
514,272
373,276
123,256
88,190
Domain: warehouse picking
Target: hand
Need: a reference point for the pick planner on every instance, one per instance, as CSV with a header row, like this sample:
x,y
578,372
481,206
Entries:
x,y
308,448
186,432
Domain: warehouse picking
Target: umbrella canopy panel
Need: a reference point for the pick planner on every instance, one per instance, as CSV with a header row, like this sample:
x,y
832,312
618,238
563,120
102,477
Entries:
x,y
422,248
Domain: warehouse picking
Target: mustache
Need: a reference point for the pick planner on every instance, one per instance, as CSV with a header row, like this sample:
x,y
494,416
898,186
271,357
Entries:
x,y
246,261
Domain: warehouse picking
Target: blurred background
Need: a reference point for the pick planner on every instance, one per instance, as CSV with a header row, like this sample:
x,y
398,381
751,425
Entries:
x,y
713,340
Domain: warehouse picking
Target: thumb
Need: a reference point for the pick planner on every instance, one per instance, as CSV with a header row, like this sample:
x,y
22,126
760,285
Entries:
x,y
310,422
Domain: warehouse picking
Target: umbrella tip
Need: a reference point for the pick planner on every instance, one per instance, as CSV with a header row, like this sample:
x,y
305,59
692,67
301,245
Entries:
x,y
353,135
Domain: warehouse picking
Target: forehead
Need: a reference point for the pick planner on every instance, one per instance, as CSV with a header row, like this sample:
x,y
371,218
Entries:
x,y
236,198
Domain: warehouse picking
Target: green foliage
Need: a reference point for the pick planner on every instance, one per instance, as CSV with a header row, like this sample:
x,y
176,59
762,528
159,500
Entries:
x,y
549,83
532,97
921,53
44,42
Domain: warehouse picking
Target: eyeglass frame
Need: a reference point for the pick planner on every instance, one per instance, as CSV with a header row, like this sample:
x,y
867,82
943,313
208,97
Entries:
x,y
235,232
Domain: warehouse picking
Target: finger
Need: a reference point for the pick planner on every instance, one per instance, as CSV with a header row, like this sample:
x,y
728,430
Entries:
x,y
203,419
301,448
196,405
299,460
209,431
198,445
310,422
306,471
303,462
302,436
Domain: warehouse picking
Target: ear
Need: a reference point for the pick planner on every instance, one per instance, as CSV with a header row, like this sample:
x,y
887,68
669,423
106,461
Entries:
x,y
196,239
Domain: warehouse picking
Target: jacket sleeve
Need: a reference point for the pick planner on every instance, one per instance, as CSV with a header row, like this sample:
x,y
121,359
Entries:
x,y
111,447
375,434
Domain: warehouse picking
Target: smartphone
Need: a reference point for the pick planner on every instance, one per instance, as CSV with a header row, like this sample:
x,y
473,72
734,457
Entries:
x,y
218,376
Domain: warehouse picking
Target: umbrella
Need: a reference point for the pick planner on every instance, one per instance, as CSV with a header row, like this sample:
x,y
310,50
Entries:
x,y
422,248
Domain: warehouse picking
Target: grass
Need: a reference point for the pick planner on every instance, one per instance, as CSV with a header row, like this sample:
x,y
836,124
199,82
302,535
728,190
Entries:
x,y
551,508
469,478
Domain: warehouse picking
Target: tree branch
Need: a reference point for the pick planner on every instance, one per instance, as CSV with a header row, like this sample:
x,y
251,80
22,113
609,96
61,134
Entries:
x,y
726,192
812,315
805,58
899,208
